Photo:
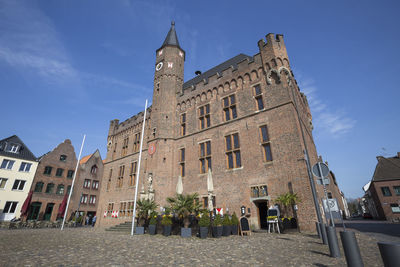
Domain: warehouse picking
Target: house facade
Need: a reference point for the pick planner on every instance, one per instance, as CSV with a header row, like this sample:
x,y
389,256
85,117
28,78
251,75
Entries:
x,y
17,169
246,120
52,182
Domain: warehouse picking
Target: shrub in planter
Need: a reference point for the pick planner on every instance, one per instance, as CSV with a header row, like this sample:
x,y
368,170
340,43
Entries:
x,y
166,222
204,223
153,224
217,226
234,224
226,226
286,223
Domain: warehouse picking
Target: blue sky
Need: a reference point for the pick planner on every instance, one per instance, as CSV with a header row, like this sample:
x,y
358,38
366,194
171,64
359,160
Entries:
x,y
69,67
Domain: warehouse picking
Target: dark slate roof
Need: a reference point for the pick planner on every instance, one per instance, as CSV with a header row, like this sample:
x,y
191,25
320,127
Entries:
x,y
218,69
23,151
387,169
172,38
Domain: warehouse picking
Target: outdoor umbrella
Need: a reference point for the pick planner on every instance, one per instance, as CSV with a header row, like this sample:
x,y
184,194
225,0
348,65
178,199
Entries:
x,y
210,189
27,203
179,186
61,209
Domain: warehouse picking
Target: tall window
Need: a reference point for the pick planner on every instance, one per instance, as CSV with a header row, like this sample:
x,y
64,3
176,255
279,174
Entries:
x,y
110,208
258,97
265,143
229,104
93,170
183,124
204,116
136,144
18,185
70,173
59,172
7,164
122,208
232,151
132,175
121,176
386,191
10,207
125,147
86,183
92,199
47,170
397,190
109,180
25,167
68,189
49,188
3,182
84,199
39,187
60,189
95,184
115,150
205,156
182,161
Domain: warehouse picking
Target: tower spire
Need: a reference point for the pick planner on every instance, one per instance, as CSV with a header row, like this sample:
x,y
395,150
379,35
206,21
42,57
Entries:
x,y
172,38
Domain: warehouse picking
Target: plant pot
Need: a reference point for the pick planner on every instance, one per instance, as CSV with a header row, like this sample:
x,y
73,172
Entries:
x,y
167,230
226,230
217,231
203,232
152,229
234,229
293,223
186,232
286,223
139,230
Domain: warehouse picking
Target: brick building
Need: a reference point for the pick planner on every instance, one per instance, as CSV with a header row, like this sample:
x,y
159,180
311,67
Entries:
x,y
384,190
52,181
245,119
88,184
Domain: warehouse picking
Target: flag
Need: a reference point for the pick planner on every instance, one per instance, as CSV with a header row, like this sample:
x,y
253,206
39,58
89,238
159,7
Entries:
x,y
27,203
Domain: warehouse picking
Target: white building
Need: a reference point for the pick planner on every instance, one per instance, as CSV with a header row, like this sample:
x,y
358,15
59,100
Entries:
x,y
17,169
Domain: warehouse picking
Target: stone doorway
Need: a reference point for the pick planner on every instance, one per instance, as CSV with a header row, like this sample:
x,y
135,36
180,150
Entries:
x,y
262,213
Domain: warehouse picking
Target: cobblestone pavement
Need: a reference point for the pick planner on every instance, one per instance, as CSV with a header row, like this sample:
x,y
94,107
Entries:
x,y
96,247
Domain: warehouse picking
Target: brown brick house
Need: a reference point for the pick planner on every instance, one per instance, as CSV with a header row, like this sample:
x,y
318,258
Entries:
x,y
385,188
245,119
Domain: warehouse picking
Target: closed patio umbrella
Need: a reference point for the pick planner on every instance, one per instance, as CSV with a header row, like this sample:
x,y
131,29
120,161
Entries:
x,y
61,209
210,189
179,186
27,203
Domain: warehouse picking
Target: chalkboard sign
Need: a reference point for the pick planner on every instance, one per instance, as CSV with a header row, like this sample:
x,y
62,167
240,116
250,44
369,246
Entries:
x,y
244,226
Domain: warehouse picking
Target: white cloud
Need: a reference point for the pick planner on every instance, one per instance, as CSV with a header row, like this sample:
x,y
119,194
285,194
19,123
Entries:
x,y
334,122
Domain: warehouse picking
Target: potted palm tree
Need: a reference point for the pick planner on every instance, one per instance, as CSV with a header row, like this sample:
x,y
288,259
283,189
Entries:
x,y
287,200
234,224
217,226
166,222
226,225
153,223
145,207
184,206
204,223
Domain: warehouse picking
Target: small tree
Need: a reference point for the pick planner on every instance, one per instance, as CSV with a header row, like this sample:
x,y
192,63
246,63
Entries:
x,y
184,205
145,207
204,220
287,200
217,220
234,220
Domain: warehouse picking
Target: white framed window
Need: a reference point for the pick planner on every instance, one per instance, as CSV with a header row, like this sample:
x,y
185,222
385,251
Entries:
x,y
84,199
3,182
13,148
25,167
92,199
10,207
86,184
18,185
7,164
95,184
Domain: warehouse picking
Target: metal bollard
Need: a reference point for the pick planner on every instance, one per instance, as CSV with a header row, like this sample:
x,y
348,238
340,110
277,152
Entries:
x,y
351,249
323,234
390,253
318,226
333,242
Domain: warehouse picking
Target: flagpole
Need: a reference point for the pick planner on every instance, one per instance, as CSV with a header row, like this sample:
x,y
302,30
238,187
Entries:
x,y
73,181
138,169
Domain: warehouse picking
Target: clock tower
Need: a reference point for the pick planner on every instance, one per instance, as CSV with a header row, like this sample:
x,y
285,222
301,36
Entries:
x,y
168,82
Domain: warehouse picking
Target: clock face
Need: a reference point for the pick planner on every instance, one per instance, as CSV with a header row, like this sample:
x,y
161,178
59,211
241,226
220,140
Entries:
x,y
159,66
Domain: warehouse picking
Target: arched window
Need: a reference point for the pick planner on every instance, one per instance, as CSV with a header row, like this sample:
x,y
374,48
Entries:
x,y
39,187
94,169
49,188
60,189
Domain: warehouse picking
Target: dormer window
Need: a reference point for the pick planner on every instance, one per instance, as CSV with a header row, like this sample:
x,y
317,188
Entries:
x,y
13,148
63,158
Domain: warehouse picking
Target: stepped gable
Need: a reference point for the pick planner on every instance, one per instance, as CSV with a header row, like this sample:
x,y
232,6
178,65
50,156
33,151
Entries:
x,y
23,151
218,69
